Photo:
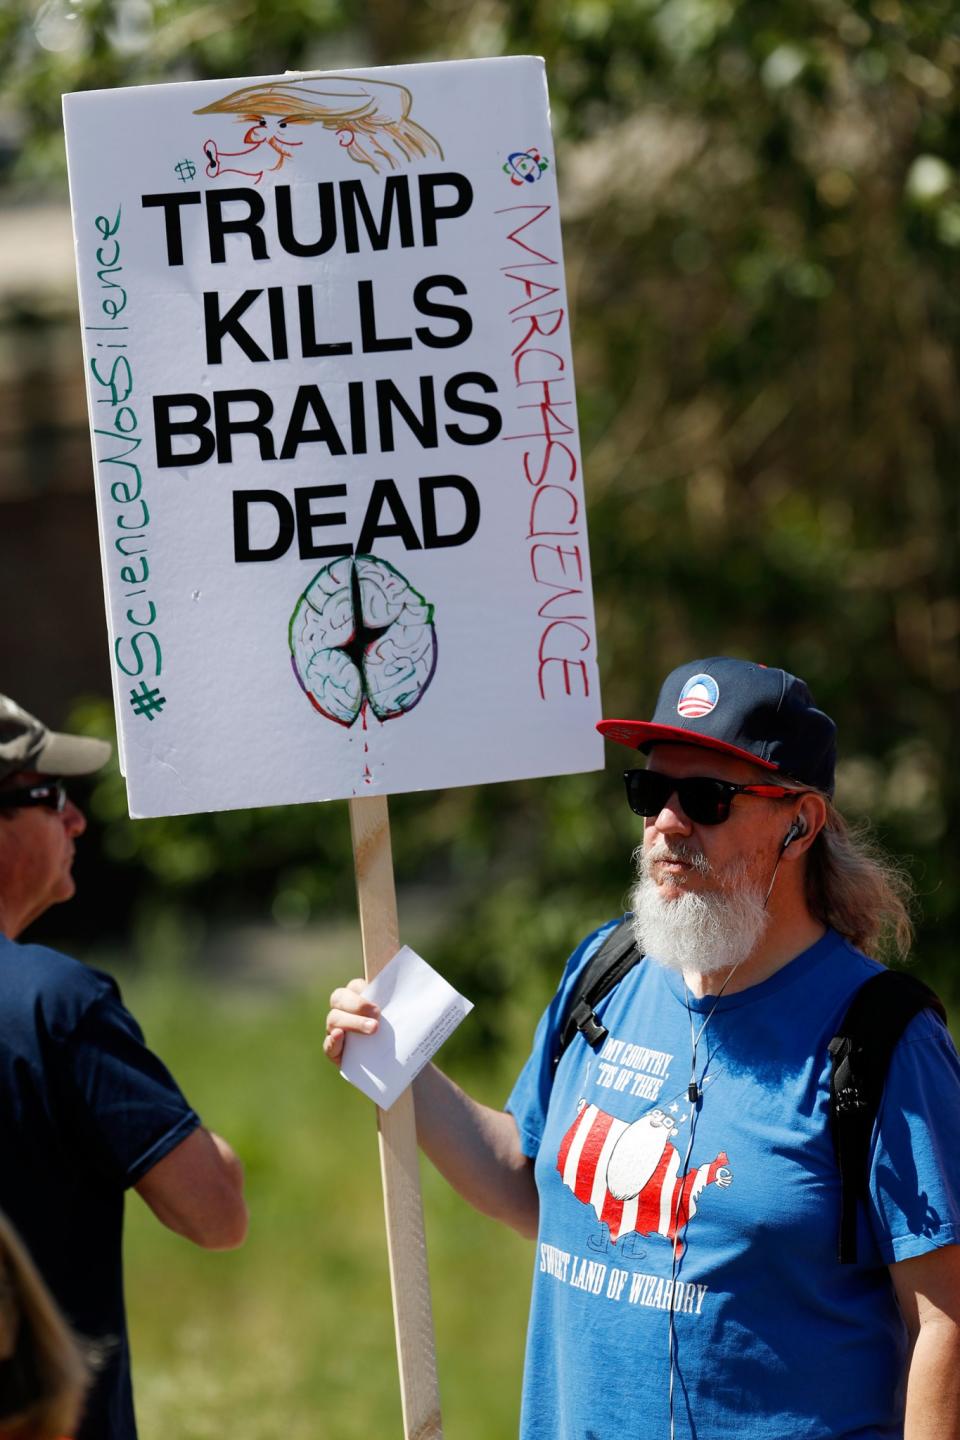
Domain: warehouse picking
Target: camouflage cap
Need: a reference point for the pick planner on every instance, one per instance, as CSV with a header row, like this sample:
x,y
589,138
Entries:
x,y
27,744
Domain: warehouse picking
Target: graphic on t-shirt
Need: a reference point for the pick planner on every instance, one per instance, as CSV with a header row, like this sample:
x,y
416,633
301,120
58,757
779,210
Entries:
x,y
630,1173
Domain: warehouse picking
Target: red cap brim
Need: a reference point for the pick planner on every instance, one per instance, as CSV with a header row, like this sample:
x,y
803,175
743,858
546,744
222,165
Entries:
x,y
638,733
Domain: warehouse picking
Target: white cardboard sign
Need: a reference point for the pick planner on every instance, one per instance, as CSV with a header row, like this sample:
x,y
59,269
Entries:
x,y
338,475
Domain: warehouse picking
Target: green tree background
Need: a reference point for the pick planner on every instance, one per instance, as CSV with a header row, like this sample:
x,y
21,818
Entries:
x,y
762,222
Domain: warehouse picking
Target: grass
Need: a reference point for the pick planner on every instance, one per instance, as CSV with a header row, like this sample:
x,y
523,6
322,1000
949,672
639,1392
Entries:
x,y
293,1334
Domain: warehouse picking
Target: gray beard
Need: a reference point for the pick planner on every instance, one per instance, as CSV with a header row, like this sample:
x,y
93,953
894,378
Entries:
x,y
706,933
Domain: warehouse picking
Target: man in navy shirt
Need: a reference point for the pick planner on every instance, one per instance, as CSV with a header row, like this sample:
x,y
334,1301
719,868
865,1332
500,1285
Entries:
x,y
86,1110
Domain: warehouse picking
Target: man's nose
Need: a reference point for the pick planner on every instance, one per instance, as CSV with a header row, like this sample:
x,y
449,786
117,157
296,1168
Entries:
x,y
672,820
74,820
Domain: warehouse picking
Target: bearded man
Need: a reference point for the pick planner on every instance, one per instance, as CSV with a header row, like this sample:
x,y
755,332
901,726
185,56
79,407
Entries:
x,y
679,1173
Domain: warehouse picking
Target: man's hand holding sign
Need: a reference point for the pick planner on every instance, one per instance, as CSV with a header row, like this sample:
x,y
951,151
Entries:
x,y
338,474
476,1148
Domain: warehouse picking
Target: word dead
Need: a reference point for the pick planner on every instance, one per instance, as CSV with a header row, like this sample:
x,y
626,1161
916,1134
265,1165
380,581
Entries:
x,y
386,517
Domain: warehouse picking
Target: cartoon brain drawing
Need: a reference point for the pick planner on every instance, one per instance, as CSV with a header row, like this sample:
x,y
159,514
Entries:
x,y
361,634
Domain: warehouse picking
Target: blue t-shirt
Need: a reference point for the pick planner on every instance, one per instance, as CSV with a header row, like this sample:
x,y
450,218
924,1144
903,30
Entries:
x,y
85,1111
773,1337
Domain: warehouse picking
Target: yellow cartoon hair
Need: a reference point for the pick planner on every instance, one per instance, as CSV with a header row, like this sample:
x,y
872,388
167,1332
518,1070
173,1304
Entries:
x,y
372,113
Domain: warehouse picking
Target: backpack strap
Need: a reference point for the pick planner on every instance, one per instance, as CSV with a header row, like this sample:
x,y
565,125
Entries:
x,y
616,956
860,1053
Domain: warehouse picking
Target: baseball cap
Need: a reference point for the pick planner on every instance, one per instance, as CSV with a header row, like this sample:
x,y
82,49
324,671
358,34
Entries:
x,y
27,744
760,714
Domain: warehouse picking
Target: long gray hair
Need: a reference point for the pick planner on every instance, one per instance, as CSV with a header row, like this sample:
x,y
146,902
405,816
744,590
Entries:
x,y
853,887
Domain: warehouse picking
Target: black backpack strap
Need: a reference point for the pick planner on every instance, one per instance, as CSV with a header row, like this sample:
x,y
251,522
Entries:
x,y
860,1051
616,956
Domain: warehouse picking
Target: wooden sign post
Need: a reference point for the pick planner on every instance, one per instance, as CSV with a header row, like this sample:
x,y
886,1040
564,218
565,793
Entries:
x,y
399,1163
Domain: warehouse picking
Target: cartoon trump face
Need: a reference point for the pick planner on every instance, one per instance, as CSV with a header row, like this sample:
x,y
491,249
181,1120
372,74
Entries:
x,y
370,118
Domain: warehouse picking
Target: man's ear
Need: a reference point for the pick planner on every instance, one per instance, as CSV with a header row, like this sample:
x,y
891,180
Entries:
x,y
806,825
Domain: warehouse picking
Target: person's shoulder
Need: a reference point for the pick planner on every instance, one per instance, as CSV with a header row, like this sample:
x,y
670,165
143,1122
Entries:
x,y
580,959
924,1026
927,1026
37,980
842,971
591,944
596,938
854,964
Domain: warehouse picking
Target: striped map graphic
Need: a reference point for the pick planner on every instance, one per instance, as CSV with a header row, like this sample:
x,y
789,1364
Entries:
x,y
665,1200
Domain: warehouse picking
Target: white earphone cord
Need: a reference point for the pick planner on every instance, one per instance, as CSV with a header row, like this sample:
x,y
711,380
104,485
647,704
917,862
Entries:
x,y
695,1095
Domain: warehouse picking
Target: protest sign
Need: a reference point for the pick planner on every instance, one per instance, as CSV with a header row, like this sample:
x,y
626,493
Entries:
x,y
338,475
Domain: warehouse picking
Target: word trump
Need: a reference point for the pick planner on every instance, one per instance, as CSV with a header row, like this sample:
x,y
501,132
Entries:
x,y
340,212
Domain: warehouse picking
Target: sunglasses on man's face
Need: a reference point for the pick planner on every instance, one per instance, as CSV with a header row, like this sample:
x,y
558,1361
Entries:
x,y
51,793
702,799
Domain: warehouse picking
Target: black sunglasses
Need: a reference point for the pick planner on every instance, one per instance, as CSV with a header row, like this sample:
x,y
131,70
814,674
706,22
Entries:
x,y
51,793
703,800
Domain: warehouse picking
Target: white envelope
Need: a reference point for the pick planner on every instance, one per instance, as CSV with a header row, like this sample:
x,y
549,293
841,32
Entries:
x,y
418,1010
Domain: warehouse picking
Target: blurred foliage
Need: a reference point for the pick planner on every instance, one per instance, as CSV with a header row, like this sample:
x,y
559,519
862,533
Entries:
x,y
762,226
309,1349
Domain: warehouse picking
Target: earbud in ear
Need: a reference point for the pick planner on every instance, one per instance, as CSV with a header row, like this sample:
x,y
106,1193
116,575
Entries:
x,y
799,827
